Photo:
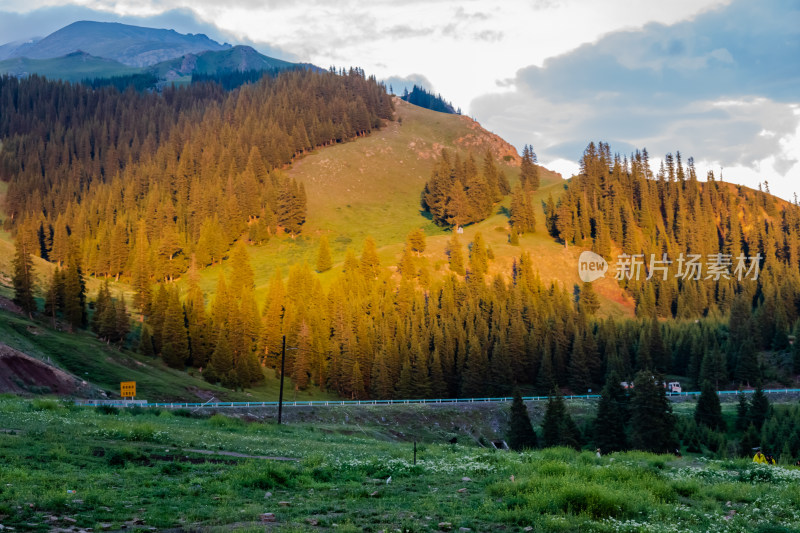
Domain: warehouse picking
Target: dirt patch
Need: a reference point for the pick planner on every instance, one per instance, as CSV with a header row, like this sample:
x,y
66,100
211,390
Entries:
x,y
21,373
243,455
8,305
193,460
481,139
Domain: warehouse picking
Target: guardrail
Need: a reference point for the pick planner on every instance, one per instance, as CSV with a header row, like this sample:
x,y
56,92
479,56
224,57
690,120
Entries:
x,y
329,403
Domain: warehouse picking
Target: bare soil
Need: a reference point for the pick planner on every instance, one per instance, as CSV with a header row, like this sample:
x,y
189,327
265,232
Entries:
x,y
21,373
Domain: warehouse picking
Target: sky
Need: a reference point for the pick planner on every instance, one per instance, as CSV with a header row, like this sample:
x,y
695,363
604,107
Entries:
x,y
717,80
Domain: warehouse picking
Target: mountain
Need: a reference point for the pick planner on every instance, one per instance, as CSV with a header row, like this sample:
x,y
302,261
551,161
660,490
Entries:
x,y
17,48
131,45
80,65
75,66
236,59
199,201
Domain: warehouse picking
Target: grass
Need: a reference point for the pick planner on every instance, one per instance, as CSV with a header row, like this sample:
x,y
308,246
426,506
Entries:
x,y
64,466
106,366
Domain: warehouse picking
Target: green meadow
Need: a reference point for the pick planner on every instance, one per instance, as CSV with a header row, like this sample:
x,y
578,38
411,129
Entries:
x,y
63,466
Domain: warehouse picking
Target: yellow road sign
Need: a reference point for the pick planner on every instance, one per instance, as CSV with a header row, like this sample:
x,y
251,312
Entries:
x,y
127,389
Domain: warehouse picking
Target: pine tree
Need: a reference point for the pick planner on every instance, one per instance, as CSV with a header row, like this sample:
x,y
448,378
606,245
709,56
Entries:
x,y
612,417
652,422
521,435
476,371
478,257
370,264
529,173
416,241
324,261
242,276
75,295
747,368
759,409
24,278
742,412
221,364
458,211
54,298
455,255
588,300
558,428
103,306
174,338
523,217
708,411
146,342
122,322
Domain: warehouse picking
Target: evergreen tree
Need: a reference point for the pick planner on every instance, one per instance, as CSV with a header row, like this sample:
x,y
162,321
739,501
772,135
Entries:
x,y
523,217
652,422
588,300
478,257
455,255
122,322
24,278
242,276
75,295
146,342
174,338
708,411
747,368
476,371
221,364
370,263
612,417
416,241
103,307
558,428
529,173
521,435
324,261
742,412
759,409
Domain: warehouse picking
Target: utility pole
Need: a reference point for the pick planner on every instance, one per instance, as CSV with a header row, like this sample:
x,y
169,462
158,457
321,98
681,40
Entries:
x,y
280,394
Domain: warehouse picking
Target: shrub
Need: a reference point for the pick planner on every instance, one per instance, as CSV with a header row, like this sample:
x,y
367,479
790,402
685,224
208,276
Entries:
x,y
107,410
264,476
227,422
41,404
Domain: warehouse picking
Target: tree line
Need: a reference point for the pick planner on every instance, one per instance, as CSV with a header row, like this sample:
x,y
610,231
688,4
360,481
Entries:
x,y
136,183
643,419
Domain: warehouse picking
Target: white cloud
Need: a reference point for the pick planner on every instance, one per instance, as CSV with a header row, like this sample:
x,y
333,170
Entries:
x,y
723,87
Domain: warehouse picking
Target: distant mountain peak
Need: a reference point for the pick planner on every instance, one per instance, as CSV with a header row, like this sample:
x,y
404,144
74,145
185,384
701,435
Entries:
x,y
131,45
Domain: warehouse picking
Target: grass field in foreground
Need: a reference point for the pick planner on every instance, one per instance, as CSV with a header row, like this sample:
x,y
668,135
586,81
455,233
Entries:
x,y
63,466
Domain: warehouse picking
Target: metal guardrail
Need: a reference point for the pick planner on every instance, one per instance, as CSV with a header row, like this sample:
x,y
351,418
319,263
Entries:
x,y
329,403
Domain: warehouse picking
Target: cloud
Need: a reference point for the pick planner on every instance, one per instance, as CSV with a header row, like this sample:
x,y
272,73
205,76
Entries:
x,y
710,87
399,83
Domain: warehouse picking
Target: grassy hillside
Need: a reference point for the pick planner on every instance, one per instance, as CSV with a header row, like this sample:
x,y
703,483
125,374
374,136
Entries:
x,y
82,355
78,467
372,186
72,67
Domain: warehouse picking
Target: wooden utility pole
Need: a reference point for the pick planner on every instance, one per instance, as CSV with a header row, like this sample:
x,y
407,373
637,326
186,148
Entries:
x,y
280,394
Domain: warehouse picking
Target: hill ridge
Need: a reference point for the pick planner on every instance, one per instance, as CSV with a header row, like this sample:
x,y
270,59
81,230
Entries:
x,y
135,46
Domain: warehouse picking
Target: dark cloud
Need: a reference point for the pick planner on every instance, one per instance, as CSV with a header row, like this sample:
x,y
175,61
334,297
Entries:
x,y
719,87
42,22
